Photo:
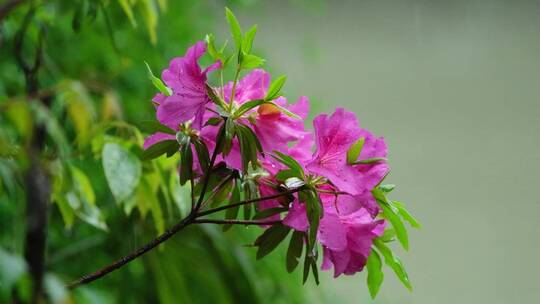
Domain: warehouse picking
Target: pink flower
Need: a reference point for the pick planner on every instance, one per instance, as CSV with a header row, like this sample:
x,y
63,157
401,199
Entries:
x,y
334,136
274,129
346,237
187,81
347,240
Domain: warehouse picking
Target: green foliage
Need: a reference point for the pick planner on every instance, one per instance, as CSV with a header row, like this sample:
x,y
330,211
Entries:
x,y
105,199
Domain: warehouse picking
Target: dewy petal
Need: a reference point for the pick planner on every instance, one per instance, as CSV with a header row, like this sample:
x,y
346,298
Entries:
x,y
155,138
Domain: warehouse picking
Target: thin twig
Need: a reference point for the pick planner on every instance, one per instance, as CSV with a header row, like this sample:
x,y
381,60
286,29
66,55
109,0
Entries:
x,y
259,199
130,257
234,222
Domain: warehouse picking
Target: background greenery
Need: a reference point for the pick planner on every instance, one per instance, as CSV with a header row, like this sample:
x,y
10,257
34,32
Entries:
x,y
453,87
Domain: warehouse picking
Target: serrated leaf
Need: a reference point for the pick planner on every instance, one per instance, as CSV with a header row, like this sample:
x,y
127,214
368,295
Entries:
x,y
375,274
122,170
354,151
270,239
157,82
394,262
294,252
275,88
236,30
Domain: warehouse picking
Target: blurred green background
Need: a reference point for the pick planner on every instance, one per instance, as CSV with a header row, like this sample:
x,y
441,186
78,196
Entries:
x,y
453,86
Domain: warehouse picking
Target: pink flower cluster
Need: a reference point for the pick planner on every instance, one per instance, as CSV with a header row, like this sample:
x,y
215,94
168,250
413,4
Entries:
x,y
349,223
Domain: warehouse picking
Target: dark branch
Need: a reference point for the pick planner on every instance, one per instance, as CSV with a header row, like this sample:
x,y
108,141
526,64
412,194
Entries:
x,y
255,200
130,257
234,222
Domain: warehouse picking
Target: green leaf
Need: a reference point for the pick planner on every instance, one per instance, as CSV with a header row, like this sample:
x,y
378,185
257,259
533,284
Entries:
x,y
307,266
202,153
251,61
12,268
270,239
126,7
211,47
375,274
248,106
122,170
82,185
391,214
56,289
369,161
166,146
387,188
152,126
402,211
294,252
394,262
290,162
354,151
230,129
232,213
186,167
275,88
150,16
157,82
248,39
286,174
214,121
249,146
236,30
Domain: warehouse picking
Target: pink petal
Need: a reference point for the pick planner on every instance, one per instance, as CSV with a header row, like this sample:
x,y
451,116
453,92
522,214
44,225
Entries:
x,y
296,217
